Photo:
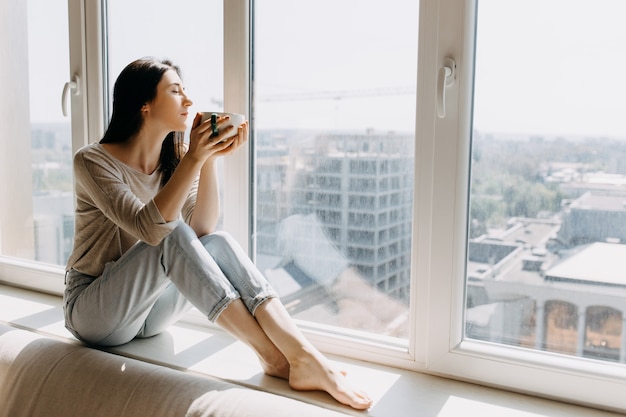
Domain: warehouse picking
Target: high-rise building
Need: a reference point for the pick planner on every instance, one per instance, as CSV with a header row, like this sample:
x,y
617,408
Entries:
x,y
358,186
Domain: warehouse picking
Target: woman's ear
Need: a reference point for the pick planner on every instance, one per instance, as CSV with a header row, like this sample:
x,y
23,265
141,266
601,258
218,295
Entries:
x,y
145,108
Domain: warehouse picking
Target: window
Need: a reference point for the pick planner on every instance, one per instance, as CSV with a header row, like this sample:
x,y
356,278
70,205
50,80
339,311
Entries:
x,y
531,142
36,212
487,202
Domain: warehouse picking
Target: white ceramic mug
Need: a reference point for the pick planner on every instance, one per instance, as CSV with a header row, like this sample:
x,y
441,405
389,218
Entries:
x,y
235,120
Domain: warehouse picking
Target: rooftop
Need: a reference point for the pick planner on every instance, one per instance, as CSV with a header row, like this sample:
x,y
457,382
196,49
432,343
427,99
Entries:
x,y
600,202
600,264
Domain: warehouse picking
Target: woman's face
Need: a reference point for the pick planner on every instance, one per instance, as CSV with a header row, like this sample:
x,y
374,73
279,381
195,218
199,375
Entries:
x,y
170,108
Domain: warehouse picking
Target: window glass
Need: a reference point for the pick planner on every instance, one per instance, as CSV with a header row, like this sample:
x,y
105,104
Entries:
x,y
36,211
546,236
334,132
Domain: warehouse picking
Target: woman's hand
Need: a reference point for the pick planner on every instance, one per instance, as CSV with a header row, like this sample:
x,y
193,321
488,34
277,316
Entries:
x,y
239,139
203,147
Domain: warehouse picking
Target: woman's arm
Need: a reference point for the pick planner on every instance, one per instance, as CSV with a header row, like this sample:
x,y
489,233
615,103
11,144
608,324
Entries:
x,y
170,199
102,190
207,208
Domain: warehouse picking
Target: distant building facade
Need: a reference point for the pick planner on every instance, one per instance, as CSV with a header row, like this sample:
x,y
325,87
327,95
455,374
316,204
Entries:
x,y
558,285
594,217
359,186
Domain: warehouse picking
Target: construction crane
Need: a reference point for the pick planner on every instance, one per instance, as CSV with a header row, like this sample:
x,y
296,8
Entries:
x,y
339,94
331,94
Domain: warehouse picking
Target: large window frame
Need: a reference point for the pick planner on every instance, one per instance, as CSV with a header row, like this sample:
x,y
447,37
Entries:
x,y
443,182
436,344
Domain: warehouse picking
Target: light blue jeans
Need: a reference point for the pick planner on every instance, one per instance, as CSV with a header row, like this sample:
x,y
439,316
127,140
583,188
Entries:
x,y
150,287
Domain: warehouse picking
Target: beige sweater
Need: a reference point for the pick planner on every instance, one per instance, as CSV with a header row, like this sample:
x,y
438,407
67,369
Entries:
x,y
114,209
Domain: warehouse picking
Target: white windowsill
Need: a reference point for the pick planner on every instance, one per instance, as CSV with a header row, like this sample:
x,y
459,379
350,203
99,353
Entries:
x,y
212,352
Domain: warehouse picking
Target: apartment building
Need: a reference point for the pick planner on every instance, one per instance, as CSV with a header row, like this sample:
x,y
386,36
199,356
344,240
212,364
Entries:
x,y
359,188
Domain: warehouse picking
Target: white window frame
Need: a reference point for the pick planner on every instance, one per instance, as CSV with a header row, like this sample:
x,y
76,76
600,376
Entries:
x,y
436,343
85,63
440,238
236,190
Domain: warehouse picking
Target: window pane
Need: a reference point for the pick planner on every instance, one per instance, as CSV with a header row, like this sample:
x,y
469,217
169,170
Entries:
x,y
547,220
334,132
35,175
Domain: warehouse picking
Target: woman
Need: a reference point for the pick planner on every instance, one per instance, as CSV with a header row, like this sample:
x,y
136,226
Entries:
x,y
146,249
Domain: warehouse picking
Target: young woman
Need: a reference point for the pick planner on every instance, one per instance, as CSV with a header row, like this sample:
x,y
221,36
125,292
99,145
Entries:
x,y
146,248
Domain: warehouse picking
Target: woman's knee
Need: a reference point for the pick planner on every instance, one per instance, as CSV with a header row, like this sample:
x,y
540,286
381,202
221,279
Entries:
x,y
184,233
182,230
182,238
219,235
219,240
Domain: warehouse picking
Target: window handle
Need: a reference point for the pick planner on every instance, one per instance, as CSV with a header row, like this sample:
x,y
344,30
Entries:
x,y
445,78
73,85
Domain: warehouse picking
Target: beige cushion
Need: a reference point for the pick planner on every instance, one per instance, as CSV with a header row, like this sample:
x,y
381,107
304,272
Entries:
x,y
44,377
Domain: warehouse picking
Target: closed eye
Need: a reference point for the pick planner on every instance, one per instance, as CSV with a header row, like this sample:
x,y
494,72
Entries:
x,y
177,88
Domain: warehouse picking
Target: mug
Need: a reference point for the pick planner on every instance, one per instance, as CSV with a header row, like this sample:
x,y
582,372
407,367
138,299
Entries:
x,y
235,120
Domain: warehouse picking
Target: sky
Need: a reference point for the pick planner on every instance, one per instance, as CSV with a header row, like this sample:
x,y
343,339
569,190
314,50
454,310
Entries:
x,y
570,56
542,66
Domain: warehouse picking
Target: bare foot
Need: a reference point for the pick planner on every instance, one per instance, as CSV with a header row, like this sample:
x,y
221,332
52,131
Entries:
x,y
313,372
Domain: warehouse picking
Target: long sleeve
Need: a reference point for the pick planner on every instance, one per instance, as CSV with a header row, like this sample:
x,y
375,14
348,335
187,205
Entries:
x,y
114,210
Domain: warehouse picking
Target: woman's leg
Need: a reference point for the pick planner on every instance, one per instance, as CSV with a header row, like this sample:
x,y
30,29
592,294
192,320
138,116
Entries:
x,y
112,309
265,325
238,321
273,334
134,296
169,307
212,273
238,318
309,369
